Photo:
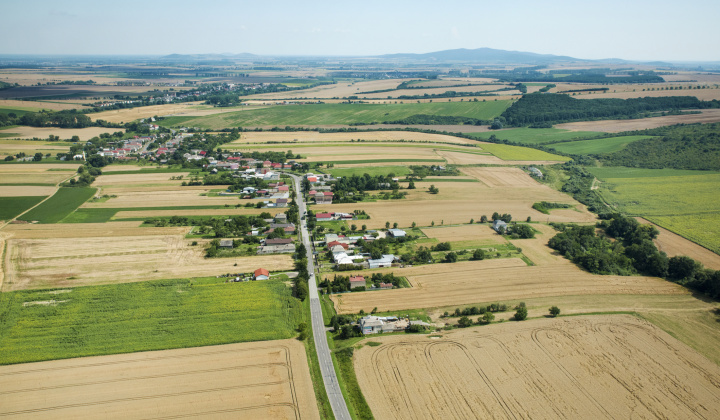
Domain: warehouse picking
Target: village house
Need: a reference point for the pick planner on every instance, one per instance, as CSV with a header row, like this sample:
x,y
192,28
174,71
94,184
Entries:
x,y
323,198
382,262
276,249
324,217
261,274
278,241
357,281
396,233
499,224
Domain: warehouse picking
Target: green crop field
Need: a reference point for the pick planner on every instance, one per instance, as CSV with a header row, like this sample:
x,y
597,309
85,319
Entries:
x,y
154,315
12,206
535,136
506,152
323,114
685,202
607,145
57,207
399,171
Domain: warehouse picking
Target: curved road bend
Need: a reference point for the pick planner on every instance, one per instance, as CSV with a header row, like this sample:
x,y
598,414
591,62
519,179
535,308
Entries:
x,y
337,402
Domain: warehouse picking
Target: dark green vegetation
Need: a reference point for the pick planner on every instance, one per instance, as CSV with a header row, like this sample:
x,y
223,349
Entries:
x,y
633,251
357,403
40,325
595,146
61,119
694,146
545,207
397,171
12,206
602,76
546,109
322,114
60,205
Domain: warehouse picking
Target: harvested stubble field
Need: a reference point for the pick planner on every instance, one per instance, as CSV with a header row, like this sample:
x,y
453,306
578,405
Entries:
x,y
132,114
502,190
617,126
28,168
313,136
673,245
89,230
139,179
241,211
353,153
49,178
482,281
463,233
582,367
67,262
266,379
440,90
36,105
459,158
25,191
13,147
24,132
335,90
162,198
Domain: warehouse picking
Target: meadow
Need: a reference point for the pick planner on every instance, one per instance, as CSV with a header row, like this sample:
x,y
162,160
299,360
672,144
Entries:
x,y
682,201
534,136
13,206
61,204
606,145
122,318
327,114
506,152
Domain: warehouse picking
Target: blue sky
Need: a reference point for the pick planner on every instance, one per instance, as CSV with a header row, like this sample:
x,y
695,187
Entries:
x,y
633,30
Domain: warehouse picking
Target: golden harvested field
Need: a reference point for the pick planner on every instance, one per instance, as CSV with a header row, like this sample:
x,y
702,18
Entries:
x,y
35,105
440,90
138,179
701,78
583,367
18,191
162,198
459,158
503,190
463,233
24,132
261,380
674,245
40,173
341,153
131,114
36,167
89,230
186,213
480,281
11,147
503,177
339,89
616,126
67,262
314,136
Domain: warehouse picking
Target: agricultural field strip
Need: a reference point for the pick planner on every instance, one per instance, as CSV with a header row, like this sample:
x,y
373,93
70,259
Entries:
x,y
444,286
542,367
40,263
247,380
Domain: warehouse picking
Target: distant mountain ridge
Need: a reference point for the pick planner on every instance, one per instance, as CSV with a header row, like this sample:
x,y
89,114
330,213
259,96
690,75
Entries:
x,y
483,55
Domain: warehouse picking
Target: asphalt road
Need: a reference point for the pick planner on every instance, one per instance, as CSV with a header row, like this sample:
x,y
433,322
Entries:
x,y
337,402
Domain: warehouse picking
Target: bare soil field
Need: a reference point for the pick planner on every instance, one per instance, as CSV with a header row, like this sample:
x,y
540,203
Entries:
x,y
23,132
463,233
162,198
313,136
673,245
261,380
67,262
89,230
456,284
583,367
616,126
26,191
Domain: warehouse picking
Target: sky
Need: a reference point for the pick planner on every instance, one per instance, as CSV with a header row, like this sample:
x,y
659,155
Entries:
x,y
630,29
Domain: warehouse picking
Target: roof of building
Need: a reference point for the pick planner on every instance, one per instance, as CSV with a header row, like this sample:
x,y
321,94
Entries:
x,y
278,241
261,272
387,258
323,215
226,242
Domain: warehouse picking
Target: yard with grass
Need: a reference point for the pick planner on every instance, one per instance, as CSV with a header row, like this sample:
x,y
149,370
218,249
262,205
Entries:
x,y
122,318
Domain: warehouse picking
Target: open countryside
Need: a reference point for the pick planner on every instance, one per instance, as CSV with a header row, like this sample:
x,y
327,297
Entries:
x,y
453,234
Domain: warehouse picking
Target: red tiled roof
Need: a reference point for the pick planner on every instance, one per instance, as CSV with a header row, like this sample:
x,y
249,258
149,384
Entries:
x,y
323,215
261,272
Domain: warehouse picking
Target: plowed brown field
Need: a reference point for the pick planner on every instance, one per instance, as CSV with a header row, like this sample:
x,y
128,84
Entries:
x,y
61,262
598,367
262,380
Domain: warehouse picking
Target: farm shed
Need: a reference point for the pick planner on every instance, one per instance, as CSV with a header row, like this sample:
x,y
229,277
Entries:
x,y
499,224
226,243
261,274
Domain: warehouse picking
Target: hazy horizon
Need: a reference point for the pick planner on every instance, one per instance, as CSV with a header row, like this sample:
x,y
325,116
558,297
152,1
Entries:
x,y
635,31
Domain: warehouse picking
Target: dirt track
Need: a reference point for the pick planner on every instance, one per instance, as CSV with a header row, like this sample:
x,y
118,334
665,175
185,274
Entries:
x,y
268,379
585,367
